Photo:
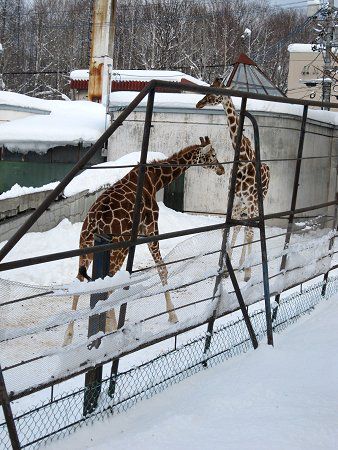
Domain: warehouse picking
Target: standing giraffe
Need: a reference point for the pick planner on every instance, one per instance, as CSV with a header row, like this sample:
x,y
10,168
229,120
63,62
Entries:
x,y
246,196
112,214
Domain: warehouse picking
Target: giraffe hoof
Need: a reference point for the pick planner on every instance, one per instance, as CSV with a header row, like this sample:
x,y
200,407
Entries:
x,y
67,341
173,319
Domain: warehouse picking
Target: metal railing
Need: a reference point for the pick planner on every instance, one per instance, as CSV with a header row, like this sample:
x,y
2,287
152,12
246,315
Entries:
x,y
224,261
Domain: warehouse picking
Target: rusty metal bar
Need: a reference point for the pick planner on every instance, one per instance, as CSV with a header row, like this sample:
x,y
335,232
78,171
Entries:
x,y
293,199
96,323
136,220
8,414
233,93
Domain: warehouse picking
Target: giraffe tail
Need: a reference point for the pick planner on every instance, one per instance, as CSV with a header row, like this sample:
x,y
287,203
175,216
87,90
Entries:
x,y
83,273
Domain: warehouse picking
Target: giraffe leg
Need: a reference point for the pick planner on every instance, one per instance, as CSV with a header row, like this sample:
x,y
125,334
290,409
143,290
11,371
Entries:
x,y
84,262
70,329
245,245
117,258
163,273
248,239
111,322
237,229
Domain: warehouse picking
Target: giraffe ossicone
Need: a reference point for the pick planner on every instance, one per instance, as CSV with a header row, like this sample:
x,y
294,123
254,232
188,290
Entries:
x,y
112,215
246,195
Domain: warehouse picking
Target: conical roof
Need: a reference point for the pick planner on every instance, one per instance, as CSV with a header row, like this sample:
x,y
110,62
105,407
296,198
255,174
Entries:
x,y
244,75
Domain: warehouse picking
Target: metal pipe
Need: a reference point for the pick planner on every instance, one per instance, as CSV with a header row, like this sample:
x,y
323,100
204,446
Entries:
x,y
264,254
227,225
233,93
8,414
331,244
96,323
293,199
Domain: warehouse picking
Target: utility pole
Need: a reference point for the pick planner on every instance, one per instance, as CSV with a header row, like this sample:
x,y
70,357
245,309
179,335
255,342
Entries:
x,y
101,51
325,42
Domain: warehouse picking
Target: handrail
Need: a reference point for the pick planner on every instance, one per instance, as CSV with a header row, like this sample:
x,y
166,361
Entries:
x,y
145,240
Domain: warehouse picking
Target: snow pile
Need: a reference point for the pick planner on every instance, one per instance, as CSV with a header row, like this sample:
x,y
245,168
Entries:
x,y
90,180
17,190
69,122
25,101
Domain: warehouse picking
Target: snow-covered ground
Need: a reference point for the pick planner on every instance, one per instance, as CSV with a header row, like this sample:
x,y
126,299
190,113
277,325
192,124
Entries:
x,y
277,398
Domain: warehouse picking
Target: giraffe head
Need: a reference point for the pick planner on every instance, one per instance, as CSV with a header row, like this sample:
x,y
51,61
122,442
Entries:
x,y
212,99
207,156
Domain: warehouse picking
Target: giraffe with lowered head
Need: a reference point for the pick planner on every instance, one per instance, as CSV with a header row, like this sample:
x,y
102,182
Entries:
x,y
112,214
246,196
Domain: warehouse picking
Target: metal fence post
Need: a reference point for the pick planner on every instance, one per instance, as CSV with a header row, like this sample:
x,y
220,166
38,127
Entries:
x,y
331,244
293,199
264,254
223,252
96,323
6,406
136,220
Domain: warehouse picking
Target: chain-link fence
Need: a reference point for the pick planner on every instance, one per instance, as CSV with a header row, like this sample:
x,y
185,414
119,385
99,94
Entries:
x,y
63,414
34,320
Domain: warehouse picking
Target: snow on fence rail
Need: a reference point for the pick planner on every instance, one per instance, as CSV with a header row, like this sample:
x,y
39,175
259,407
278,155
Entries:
x,y
36,318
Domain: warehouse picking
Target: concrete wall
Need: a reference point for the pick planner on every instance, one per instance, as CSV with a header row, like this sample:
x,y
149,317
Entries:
x,y
15,211
279,133
205,191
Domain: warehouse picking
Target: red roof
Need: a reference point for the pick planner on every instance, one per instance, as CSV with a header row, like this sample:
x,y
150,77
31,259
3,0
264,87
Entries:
x,y
120,85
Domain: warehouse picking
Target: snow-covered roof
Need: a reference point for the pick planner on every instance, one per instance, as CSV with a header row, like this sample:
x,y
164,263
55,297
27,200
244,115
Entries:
x,y
69,122
140,75
301,48
19,101
167,102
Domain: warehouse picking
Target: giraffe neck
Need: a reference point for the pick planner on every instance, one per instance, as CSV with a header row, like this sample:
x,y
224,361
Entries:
x,y
162,175
246,150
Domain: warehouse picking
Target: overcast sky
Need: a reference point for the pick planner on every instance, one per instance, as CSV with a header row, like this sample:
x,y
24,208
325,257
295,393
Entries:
x,y
297,4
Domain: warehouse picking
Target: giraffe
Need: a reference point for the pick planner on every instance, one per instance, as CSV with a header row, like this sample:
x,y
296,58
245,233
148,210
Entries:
x,y
112,214
246,197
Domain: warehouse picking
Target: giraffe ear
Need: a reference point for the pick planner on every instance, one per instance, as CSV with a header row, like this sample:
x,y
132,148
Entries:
x,y
206,149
